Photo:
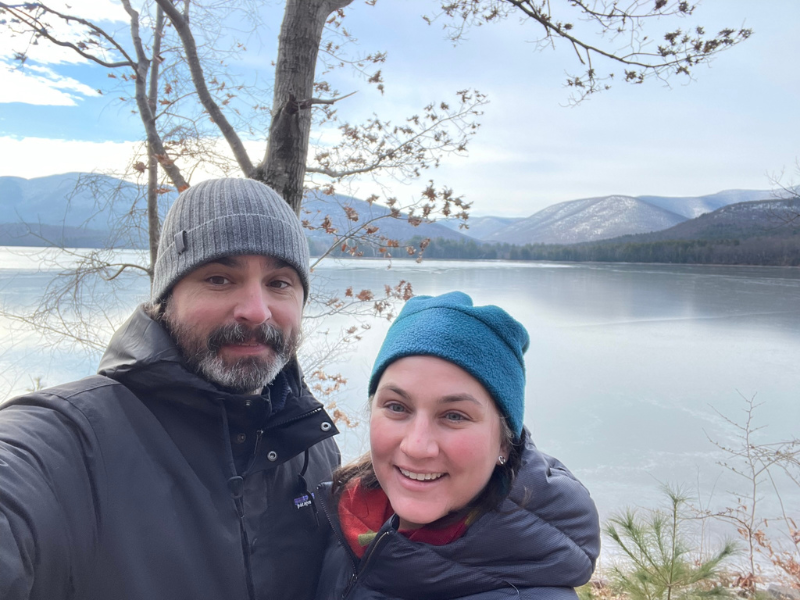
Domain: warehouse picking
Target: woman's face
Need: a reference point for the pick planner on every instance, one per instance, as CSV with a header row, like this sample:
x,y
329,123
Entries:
x,y
435,437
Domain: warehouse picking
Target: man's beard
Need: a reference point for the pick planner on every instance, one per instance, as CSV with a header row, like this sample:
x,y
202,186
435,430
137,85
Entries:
x,y
246,375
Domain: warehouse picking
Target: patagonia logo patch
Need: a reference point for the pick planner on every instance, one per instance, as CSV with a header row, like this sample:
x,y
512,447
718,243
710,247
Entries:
x,y
302,501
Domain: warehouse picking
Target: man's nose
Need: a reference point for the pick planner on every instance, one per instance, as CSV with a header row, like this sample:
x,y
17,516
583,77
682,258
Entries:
x,y
252,304
420,439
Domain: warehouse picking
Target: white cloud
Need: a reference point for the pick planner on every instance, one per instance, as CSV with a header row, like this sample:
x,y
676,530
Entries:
x,y
41,86
106,13
38,157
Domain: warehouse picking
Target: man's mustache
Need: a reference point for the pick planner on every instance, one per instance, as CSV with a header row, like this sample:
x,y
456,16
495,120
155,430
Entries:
x,y
236,333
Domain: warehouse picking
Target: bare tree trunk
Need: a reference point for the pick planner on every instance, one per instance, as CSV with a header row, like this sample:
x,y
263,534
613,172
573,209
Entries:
x,y
284,165
153,221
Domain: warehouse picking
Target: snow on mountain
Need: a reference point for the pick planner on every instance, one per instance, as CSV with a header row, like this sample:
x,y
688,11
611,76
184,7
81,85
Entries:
x,y
55,201
70,199
588,220
480,228
694,206
343,209
73,209
737,221
80,200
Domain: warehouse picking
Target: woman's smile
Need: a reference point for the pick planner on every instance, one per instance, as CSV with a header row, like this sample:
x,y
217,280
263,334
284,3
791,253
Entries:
x,y
420,476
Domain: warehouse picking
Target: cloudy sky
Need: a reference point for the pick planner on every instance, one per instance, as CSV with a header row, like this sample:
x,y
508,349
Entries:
x,y
733,127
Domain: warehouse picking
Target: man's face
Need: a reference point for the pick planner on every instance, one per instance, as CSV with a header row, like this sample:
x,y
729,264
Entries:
x,y
237,320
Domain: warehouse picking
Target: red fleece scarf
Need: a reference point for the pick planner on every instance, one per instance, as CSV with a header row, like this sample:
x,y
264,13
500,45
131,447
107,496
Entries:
x,y
363,512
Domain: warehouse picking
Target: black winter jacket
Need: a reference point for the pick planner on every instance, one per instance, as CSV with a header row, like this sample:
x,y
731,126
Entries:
x,y
540,544
125,486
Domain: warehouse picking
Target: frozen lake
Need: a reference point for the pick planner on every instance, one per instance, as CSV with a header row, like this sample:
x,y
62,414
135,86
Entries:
x,y
627,367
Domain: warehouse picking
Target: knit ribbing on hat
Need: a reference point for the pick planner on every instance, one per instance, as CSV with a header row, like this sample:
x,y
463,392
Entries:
x,y
227,217
485,341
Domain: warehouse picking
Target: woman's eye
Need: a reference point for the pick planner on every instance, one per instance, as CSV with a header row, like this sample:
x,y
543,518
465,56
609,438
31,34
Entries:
x,y
455,417
395,407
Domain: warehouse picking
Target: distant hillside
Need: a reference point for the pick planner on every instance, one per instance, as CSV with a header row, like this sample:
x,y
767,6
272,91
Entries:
x,y
769,218
593,219
71,199
20,234
694,206
73,209
748,233
317,206
480,228
587,220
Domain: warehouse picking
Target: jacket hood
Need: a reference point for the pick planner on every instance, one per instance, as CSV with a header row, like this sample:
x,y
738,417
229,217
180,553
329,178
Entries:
x,y
546,535
139,342
142,355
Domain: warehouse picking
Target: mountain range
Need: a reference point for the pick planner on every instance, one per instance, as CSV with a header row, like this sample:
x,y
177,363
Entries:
x,y
70,199
347,214
480,228
65,210
594,219
743,220
82,208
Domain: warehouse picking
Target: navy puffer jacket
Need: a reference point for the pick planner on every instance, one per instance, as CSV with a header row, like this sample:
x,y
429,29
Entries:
x,y
125,485
540,544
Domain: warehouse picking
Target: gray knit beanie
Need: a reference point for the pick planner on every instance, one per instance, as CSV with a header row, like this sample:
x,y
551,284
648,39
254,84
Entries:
x,y
227,217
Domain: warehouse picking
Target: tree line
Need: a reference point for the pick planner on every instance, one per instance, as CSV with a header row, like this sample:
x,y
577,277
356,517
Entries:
x,y
765,251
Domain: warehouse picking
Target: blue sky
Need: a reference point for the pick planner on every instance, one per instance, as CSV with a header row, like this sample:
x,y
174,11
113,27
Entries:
x,y
732,128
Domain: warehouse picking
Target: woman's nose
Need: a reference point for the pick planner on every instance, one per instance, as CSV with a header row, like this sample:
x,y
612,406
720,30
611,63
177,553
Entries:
x,y
420,439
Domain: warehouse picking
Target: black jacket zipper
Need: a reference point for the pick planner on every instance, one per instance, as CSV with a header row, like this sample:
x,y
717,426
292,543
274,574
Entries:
x,y
236,487
359,566
365,562
279,423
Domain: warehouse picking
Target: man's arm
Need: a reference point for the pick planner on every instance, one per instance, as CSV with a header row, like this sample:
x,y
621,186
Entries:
x,y
47,498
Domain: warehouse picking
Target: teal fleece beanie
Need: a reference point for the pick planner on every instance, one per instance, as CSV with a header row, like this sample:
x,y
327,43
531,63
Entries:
x,y
485,341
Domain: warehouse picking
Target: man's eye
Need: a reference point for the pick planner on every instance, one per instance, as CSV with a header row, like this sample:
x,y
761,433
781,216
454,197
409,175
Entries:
x,y
217,280
280,284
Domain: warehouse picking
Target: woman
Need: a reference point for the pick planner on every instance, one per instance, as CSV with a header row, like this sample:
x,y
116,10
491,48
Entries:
x,y
454,500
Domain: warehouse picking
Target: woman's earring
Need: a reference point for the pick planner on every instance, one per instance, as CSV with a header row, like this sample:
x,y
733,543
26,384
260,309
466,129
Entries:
x,y
501,460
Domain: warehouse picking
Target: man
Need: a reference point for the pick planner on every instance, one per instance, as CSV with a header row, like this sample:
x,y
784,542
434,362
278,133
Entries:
x,y
182,470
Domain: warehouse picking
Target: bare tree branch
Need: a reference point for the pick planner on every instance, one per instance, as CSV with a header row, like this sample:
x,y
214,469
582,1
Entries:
x,y
402,150
154,141
328,101
640,58
181,25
